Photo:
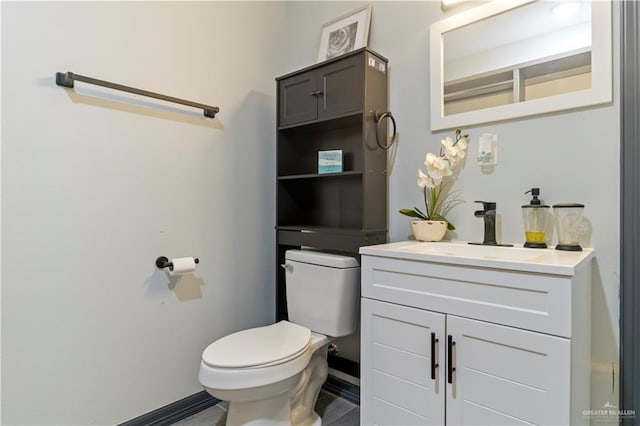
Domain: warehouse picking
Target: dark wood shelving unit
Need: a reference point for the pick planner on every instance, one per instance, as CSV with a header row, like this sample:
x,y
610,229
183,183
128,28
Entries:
x,y
330,106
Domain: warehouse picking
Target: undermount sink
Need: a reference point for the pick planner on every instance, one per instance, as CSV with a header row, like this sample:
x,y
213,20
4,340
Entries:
x,y
461,253
478,251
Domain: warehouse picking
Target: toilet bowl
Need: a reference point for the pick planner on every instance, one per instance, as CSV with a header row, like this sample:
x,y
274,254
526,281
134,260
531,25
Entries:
x,y
275,379
272,375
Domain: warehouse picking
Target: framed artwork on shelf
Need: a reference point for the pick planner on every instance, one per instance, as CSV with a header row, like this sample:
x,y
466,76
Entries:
x,y
345,34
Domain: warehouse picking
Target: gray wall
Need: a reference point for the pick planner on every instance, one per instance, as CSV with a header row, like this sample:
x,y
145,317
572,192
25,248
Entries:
x,y
572,156
94,189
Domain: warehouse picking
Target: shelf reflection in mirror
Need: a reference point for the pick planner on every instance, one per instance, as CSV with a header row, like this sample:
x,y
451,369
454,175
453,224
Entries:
x,y
515,58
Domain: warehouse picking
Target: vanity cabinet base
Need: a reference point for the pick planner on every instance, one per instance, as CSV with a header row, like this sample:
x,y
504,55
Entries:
x,y
430,357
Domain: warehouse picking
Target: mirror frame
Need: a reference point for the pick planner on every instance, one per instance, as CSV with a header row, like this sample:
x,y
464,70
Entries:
x,y
601,69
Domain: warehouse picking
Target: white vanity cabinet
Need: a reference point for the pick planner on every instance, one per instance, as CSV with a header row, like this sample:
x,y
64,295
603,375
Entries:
x,y
475,337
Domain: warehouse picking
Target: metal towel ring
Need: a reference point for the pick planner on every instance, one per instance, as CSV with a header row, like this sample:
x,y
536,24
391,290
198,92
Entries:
x,y
378,117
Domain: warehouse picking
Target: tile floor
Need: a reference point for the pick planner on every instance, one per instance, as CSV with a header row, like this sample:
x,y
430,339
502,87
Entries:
x,y
335,411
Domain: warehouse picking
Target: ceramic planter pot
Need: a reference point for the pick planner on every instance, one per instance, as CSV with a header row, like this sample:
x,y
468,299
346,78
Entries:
x,y
428,230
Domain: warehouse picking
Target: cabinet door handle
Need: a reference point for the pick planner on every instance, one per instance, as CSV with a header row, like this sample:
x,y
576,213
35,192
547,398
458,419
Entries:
x,y
434,365
317,93
450,367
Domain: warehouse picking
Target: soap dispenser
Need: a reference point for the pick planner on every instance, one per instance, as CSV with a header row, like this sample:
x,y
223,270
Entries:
x,y
535,216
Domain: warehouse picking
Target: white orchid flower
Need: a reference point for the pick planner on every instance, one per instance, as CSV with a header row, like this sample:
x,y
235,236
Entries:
x,y
437,167
449,149
462,145
454,152
424,181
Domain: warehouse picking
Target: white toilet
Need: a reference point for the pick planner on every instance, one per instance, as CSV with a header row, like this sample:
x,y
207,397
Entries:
x,y
272,375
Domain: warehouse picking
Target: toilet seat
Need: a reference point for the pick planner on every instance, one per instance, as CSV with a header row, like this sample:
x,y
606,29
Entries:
x,y
281,361
258,347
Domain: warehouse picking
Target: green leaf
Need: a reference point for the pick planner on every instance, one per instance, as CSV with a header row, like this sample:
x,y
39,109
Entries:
x,y
412,213
422,214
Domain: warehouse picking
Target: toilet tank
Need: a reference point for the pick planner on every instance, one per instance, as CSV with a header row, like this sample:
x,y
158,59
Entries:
x,y
323,291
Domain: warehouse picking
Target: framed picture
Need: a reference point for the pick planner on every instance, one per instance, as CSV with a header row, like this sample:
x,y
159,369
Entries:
x,y
344,34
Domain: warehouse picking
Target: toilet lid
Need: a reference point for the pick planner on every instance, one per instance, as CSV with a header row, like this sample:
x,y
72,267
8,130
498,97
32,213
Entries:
x,y
258,346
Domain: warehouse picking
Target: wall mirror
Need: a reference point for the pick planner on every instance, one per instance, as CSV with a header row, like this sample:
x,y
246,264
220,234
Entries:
x,y
514,58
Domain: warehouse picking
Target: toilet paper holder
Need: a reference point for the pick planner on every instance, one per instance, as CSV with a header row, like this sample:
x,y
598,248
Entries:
x,y
163,262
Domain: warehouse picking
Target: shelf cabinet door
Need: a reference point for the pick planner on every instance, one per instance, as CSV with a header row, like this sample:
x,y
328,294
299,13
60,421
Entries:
x,y
323,93
341,87
298,99
507,376
396,383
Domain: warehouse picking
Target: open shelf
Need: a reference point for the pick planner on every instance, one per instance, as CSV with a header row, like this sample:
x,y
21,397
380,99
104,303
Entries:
x,y
328,238
298,150
328,123
565,73
311,228
317,175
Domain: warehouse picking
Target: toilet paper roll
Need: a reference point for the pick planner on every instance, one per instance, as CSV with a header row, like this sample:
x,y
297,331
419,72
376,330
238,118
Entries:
x,y
182,265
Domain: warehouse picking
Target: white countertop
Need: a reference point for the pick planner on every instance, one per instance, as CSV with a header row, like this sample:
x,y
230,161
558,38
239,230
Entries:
x,y
518,258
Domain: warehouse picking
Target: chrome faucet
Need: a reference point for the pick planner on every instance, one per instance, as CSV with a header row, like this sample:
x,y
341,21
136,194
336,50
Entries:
x,y
489,215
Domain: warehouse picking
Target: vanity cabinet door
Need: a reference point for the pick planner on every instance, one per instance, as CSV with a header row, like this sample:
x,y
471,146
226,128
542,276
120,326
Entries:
x,y
505,375
397,385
